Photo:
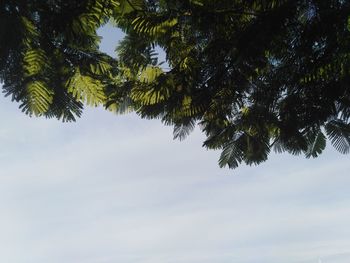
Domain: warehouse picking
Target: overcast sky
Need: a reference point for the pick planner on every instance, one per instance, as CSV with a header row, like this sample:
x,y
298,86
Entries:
x,y
118,189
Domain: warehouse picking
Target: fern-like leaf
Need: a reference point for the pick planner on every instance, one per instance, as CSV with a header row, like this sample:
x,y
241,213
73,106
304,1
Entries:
x,y
38,100
316,144
339,134
35,61
231,155
150,73
86,89
182,130
153,27
149,96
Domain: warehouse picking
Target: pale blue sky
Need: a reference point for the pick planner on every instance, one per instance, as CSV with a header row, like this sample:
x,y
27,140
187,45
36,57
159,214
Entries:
x,y
110,189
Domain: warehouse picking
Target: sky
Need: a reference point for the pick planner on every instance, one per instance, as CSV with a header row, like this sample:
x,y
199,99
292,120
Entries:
x,y
115,188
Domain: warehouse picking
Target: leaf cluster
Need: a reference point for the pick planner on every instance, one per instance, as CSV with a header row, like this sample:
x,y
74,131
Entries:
x,y
50,60
256,76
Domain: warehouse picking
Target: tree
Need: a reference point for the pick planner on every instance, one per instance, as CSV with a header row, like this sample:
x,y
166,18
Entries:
x,y
254,75
49,60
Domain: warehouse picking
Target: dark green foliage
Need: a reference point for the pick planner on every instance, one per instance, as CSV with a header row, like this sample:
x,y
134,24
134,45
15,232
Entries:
x,y
255,75
50,61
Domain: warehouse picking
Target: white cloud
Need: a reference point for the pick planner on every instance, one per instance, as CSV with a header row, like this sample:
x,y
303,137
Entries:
x,y
112,189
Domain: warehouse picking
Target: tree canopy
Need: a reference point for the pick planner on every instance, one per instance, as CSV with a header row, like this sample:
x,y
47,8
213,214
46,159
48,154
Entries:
x,y
254,75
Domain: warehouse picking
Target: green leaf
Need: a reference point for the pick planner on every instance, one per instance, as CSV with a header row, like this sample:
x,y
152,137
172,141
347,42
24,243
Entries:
x,y
232,154
316,144
149,96
182,130
86,89
150,73
39,98
155,26
35,61
339,134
